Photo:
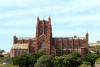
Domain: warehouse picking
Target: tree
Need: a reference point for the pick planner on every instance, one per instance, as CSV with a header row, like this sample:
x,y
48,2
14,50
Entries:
x,y
61,61
1,59
33,58
2,50
8,60
22,61
70,60
26,60
1,56
45,61
90,58
97,60
85,64
41,52
76,54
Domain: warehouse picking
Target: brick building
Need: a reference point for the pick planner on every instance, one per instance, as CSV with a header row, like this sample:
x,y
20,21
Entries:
x,y
44,40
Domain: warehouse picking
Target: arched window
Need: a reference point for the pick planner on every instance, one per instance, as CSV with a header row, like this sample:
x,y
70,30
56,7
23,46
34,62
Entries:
x,y
43,43
15,53
58,46
18,52
22,52
69,48
46,30
52,50
64,46
75,47
80,45
41,30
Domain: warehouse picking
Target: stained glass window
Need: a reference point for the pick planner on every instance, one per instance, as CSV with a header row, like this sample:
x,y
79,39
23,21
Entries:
x,y
46,30
41,30
69,48
64,47
43,43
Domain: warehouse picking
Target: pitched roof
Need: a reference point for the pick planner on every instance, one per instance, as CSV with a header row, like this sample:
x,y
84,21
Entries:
x,y
20,46
25,38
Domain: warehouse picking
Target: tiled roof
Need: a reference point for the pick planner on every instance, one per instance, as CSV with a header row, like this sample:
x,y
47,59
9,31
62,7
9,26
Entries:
x,y
20,46
26,38
70,38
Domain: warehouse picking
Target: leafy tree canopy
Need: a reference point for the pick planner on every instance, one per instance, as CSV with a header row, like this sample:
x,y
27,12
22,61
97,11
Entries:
x,y
45,61
85,64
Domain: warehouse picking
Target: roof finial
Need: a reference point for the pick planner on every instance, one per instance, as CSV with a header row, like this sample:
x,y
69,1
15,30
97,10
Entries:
x,y
86,32
49,19
38,19
49,15
44,17
15,34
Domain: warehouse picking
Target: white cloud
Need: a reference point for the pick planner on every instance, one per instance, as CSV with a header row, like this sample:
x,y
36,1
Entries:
x,y
79,5
15,13
13,2
71,7
20,12
18,32
25,3
93,20
19,22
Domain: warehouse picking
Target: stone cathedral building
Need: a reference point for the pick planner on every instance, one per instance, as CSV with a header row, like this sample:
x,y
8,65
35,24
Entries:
x,y
44,40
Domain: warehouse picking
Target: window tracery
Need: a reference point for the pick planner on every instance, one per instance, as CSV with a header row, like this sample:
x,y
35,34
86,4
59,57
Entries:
x,y
46,30
43,43
41,30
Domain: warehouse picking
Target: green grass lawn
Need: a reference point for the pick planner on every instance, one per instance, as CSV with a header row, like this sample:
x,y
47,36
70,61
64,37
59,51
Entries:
x,y
8,65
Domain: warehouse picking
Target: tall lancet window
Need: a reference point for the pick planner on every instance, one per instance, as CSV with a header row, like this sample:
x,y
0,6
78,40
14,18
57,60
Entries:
x,y
43,43
64,46
46,30
41,30
75,46
69,48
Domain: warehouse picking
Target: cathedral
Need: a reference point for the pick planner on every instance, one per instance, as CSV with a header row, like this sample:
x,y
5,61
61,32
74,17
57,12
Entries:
x,y
44,40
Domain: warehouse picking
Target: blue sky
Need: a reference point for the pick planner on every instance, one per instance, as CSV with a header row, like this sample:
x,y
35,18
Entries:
x,y
68,17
